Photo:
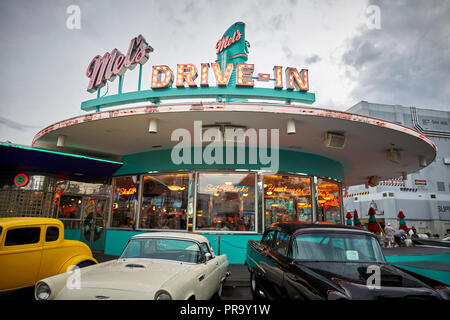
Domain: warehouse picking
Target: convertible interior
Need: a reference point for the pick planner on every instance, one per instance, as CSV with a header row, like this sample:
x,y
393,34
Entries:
x,y
177,255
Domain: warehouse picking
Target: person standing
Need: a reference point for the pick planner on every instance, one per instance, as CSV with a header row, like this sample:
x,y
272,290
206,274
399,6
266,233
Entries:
x,y
389,231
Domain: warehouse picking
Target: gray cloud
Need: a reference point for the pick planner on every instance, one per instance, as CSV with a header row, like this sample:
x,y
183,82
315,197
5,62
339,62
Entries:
x,y
407,61
312,59
15,125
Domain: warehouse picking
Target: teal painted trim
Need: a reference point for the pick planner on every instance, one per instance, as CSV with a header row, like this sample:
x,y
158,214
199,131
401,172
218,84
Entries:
x,y
140,77
425,257
233,245
55,152
289,161
197,92
442,276
120,84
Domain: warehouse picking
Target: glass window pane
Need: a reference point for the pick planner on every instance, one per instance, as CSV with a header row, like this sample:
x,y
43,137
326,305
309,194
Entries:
x,y
286,198
268,238
70,207
329,246
164,201
22,236
166,249
124,205
52,234
226,202
282,243
329,201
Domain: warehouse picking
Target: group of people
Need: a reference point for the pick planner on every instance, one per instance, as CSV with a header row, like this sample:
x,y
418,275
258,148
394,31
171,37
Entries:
x,y
397,238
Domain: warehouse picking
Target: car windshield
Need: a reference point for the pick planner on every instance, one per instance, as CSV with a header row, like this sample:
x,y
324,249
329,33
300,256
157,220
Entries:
x,y
337,247
167,249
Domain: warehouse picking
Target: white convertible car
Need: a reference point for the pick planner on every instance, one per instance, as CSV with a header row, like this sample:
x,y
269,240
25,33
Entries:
x,y
156,265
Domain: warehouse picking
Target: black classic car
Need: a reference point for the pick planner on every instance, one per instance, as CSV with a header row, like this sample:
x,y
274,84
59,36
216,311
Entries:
x,y
296,260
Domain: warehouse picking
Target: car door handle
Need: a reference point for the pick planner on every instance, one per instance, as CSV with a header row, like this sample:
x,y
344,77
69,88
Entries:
x,y
201,277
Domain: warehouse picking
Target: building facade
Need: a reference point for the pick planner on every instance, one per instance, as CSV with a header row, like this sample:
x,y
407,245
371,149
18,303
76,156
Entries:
x,y
423,196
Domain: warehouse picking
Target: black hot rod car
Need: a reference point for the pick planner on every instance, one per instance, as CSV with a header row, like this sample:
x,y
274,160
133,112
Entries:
x,y
296,260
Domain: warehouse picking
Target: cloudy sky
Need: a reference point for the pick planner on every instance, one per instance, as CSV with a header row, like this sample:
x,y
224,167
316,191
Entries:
x,y
401,58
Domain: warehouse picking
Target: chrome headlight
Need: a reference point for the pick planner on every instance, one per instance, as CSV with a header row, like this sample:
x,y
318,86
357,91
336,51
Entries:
x,y
42,291
162,295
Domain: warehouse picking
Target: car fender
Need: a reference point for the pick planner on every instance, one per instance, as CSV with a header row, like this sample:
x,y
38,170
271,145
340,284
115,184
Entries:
x,y
69,264
223,267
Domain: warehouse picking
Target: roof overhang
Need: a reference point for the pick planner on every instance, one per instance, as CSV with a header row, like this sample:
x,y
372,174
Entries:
x,y
113,134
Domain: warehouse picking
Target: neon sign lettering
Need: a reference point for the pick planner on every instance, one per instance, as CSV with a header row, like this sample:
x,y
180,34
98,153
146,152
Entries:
x,y
231,76
225,188
115,64
272,188
227,41
127,191
186,74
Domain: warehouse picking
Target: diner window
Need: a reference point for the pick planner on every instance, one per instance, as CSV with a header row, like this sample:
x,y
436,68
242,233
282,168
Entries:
x,y
329,201
226,202
125,201
287,198
69,207
165,201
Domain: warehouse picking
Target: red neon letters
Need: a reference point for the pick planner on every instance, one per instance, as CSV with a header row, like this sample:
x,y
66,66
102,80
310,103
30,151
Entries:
x,y
227,41
115,63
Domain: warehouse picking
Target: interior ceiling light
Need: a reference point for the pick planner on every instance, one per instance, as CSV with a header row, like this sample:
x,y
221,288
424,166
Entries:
x,y
61,141
393,155
290,126
153,126
422,162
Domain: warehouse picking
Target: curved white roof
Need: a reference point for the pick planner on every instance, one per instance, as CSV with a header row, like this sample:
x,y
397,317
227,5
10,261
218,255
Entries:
x,y
113,134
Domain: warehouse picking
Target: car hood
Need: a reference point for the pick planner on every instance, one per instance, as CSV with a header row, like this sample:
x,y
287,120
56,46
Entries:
x,y
356,281
138,278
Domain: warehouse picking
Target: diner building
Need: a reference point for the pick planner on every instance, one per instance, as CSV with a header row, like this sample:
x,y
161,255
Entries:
x,y
224,161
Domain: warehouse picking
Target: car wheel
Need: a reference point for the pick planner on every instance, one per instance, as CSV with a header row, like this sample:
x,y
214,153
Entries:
x,y
254,287
86,263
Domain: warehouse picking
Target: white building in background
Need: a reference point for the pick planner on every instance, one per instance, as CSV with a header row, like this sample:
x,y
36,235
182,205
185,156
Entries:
x,y
424,196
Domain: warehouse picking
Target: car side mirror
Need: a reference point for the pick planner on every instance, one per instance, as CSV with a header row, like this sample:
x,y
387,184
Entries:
x,y
208,256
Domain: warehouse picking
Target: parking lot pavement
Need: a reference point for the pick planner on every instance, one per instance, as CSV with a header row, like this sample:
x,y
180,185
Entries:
x,y
238,293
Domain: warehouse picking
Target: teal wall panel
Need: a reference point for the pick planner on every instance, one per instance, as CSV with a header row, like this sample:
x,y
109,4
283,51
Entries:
x,y
72,234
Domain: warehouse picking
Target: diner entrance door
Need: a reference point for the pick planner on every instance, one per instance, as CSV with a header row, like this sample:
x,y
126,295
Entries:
x,y
93,223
